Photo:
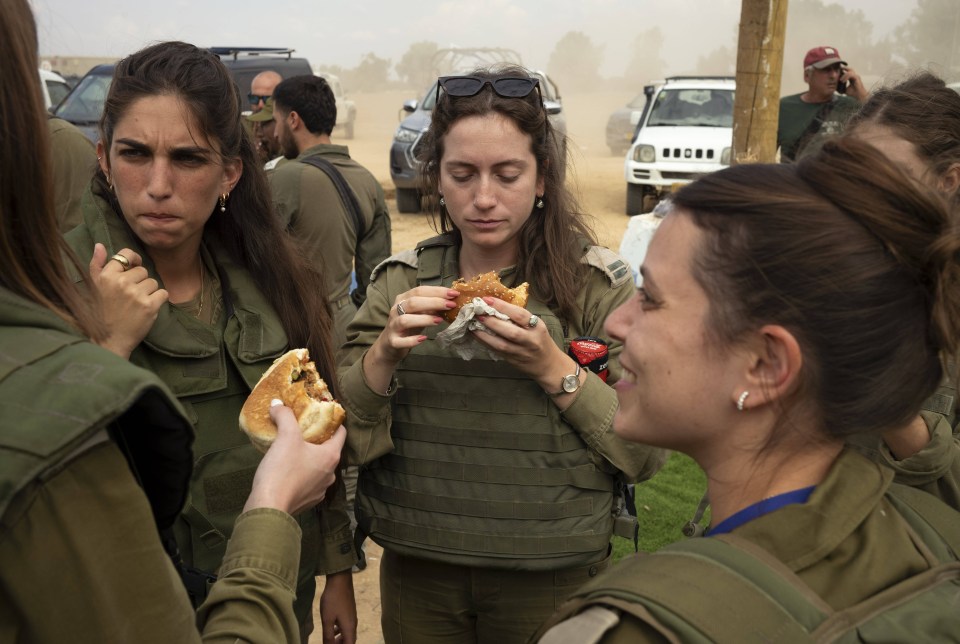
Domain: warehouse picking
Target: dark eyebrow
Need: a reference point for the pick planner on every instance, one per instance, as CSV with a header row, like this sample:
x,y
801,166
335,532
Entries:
x,y
516,162
186,150
648,281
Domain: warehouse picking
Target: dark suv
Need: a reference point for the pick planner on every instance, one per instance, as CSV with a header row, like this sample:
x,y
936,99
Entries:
x,y
404,167
84,104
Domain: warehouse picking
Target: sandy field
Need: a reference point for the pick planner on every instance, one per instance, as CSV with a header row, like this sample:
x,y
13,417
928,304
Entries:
x,y
596,178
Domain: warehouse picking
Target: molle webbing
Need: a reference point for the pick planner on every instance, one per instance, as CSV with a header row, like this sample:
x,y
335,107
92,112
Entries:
x,y
484,467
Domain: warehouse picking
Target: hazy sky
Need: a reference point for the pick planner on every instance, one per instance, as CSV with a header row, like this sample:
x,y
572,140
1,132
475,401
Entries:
x,y
341,32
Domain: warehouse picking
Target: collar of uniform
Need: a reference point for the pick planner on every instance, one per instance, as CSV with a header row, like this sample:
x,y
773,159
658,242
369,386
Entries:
x,y
325,148
837,507
181,336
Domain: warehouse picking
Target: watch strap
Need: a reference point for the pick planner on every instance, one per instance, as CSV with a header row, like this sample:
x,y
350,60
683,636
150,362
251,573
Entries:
x,y
562,391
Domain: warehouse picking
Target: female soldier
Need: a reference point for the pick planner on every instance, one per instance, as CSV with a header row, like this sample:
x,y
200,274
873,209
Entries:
x,y
785,309
490,484
916,124
95,453
221,293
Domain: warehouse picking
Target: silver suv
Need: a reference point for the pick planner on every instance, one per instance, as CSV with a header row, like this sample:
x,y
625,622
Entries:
x,y
404,167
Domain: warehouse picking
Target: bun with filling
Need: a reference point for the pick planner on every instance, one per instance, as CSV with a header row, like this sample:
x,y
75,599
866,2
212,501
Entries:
x,y
485,285
292,378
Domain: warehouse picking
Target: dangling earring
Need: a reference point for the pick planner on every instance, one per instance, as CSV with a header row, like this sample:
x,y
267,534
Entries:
x,y
443,204
741,400
539,203
223,202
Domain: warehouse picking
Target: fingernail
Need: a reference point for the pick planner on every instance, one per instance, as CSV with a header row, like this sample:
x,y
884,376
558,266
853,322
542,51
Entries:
x,y
452,293
275,402
450,304
421,338
437,320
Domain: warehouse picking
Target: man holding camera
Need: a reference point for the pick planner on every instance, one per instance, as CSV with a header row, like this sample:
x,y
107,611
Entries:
x,y
834,93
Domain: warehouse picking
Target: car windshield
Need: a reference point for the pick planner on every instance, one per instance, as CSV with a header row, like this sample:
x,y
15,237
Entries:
x,y
57,91
693,108
85,103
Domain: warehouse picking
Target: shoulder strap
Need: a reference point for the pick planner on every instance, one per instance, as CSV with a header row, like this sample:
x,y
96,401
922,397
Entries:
x,y
346,194
812,128
937,514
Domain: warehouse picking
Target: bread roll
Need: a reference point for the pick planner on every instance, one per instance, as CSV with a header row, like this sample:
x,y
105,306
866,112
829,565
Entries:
x,y
485,285
292,378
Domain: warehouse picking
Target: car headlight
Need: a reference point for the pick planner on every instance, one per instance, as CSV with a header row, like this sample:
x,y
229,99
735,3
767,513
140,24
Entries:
x,y
725,156
644,154
403,135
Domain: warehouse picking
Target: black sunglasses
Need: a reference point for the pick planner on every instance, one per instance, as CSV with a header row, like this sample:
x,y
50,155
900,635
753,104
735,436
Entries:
x,y
256,98
507,87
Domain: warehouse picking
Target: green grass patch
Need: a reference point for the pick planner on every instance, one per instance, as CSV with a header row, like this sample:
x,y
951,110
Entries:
x,y
664,504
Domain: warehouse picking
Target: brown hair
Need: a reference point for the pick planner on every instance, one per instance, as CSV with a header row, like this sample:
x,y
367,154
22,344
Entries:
x,y
551,240
853,258
923,111
31,247
250,231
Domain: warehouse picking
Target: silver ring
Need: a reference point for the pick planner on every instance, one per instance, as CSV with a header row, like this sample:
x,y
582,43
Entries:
x,y
533,321
123,261
400,310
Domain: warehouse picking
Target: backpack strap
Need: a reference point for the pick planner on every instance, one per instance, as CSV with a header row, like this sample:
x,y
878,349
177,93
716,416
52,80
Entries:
x,y
347,197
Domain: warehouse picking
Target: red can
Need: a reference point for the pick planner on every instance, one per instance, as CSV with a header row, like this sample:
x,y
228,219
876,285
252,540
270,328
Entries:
x,y
591,353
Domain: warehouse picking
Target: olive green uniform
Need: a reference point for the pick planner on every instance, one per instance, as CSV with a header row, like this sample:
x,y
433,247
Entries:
x,y
470,468
847,543
74,159
211,369
80,555
311,209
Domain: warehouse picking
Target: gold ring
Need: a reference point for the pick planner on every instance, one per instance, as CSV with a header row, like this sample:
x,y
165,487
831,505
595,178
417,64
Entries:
x,y
123,261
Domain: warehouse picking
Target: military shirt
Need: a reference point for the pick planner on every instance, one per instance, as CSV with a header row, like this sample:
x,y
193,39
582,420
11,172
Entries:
x,y
847,543
311,210
80,555
74,160
211,369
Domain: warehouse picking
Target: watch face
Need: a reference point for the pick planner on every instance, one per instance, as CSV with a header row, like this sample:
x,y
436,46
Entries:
x,y
571,383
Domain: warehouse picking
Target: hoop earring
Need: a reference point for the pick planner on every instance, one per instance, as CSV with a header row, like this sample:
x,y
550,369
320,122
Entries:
x,y
223,202
741,400
539,203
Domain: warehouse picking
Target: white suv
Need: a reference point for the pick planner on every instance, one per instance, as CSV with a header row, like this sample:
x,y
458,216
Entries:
x,y
686,133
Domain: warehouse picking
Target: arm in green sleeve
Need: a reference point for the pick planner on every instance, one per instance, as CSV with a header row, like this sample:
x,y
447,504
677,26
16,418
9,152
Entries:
x,y
374,247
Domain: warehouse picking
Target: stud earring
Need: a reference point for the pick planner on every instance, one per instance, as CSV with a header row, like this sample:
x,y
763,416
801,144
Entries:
x,y
741,400
443,203
223,202
539,203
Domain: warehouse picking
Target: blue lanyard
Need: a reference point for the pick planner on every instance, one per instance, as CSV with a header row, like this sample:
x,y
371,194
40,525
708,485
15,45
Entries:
x,y
760,508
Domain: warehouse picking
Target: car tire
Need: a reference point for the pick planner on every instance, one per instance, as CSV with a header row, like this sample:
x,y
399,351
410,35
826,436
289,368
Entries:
x,y
408,200
635,195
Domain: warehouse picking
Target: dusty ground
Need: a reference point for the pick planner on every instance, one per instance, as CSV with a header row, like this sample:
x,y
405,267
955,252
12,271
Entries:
x,y
596,177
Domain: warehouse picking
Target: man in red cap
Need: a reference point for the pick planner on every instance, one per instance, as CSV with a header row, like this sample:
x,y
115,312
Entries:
x,y
834,93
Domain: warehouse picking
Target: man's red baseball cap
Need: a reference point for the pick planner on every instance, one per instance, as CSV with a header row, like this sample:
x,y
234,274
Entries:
x,y
820,57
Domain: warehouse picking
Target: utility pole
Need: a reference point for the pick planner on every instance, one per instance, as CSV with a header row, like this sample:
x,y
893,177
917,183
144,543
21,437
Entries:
x,y
759,64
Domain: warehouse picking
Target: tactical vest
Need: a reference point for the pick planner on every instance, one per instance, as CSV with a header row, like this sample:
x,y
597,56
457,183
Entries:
x,y
60,395
764,601
485,471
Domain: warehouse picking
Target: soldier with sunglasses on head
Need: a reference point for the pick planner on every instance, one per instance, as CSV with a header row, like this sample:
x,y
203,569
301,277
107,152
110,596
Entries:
x,y
491,483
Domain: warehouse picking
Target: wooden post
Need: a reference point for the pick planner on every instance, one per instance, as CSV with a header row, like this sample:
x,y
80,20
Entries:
x,y
759,65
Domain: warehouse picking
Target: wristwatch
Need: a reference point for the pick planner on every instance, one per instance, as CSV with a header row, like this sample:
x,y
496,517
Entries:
x,y
569,384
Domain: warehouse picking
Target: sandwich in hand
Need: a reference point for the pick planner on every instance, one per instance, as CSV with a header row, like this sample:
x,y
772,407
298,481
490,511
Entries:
x,y
485,285
293,379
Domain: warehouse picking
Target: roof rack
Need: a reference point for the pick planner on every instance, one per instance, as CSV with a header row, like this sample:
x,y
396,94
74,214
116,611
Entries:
x,y
235,52
714,78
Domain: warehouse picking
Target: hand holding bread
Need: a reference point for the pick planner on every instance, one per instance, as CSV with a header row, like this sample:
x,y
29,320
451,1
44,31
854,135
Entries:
x,y
292,379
